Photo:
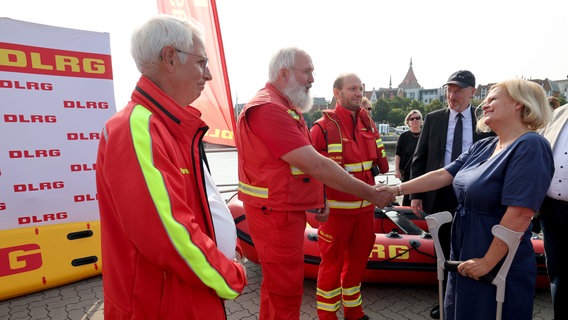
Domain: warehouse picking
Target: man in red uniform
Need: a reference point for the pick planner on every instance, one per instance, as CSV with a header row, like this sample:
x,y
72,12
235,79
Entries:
x,y
162,258
349,137
278,168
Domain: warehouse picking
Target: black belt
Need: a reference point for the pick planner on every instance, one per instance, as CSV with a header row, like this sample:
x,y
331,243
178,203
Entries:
x,y
556,202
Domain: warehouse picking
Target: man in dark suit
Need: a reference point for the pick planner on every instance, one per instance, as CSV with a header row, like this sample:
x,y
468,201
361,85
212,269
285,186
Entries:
x,y
434,150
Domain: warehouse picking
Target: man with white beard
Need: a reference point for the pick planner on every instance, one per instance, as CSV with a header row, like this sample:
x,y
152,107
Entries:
x,y
281,176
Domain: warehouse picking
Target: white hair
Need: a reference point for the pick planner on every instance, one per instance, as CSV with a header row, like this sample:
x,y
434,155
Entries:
x,y
161,31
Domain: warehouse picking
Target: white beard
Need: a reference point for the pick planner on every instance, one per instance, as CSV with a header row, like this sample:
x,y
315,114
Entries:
x,y
299,96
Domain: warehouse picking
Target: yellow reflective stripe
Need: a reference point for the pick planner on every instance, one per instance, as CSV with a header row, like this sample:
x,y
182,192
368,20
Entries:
x,y
359,166
177,233
332,307
334,148
293,114
335,204
353,167
328,294
352,303
295,171
351,291
253,191
379,143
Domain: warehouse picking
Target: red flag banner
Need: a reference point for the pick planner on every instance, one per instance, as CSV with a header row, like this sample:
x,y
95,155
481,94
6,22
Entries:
x,y
215,102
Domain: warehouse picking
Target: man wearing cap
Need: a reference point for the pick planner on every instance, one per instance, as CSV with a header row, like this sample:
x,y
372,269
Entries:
x,y
439,144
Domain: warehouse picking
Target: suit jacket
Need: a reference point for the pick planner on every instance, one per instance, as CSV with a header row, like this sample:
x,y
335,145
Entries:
x,y
559,118
431,147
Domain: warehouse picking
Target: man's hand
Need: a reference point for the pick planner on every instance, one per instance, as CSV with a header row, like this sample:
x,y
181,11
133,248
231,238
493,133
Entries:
x,y
416,205
322,213
240,260
382,196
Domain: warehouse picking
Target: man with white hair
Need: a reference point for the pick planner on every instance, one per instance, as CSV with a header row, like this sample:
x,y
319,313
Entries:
x,y
162,257
281,176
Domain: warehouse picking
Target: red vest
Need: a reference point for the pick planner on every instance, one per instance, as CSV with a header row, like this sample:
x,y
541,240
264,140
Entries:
x,y
357,157
266,182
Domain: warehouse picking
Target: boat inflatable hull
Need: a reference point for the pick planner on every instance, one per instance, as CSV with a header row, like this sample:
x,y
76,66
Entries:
x,y
39,258
397,257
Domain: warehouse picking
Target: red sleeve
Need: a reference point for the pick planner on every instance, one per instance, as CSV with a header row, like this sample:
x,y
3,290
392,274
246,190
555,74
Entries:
x,y
277,129
382,161
318,138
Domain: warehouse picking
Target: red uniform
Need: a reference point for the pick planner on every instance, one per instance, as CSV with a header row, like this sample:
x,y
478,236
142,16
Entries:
x,y
275,197
346,239
160,259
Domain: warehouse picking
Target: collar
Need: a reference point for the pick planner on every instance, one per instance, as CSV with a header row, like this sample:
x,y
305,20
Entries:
x,y
341,110
270,87
466,113
176,117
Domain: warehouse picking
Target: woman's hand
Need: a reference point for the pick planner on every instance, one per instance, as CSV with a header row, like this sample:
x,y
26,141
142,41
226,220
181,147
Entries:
x,y
397,174
474,268
393,190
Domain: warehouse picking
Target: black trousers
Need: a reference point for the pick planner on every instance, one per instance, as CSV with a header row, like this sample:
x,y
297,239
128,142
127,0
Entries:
x,y
554,223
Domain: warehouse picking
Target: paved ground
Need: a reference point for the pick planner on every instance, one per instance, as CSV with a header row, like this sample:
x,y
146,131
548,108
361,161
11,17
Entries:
x,y
83,300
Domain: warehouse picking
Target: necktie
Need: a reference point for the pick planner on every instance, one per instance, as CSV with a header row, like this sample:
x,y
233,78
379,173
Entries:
x,y
458,133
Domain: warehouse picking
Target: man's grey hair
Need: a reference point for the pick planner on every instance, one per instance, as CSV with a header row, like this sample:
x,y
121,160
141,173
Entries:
x,y
161,31
284,58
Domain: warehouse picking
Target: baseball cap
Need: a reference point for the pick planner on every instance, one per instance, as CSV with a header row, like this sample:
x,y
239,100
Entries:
x,y
462,78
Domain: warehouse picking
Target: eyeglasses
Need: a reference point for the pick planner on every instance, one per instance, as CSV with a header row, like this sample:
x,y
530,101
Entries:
x,y
203,61
414,118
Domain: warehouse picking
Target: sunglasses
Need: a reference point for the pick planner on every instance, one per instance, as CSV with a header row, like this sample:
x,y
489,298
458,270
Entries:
x,y
414,118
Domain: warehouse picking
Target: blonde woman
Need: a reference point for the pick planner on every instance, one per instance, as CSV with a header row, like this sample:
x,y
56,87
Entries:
x,y
498,180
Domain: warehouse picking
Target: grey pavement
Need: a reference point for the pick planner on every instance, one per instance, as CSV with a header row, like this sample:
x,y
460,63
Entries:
x,y
83,300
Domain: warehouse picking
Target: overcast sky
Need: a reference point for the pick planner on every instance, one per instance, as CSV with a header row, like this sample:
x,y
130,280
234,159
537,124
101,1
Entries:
x,y
495,39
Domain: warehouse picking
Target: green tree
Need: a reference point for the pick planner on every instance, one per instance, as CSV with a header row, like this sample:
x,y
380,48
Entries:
x,y
433,106
380,111
397,116
415,105
312,116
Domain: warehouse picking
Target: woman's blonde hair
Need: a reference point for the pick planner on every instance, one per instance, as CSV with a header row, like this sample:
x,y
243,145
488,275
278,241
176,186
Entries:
x,y
410,113
536,109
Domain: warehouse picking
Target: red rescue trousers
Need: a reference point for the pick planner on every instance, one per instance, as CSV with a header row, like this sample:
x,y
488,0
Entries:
x,y
345,242
278,238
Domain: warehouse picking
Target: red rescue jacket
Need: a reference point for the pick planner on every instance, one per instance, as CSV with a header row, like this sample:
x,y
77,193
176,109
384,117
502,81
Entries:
x,y
356,147
266,182
160,260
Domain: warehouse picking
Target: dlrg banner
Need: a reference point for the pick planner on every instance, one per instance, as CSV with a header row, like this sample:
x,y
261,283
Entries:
x,y
215,102
56,92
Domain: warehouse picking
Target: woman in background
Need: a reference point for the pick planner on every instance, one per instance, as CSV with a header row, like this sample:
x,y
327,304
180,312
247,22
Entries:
x,y
405,149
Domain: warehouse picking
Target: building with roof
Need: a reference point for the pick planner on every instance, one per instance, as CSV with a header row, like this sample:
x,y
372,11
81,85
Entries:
x,y
410,88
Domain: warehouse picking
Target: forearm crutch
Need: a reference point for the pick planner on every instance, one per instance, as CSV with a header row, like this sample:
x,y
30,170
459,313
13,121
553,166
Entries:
x,y
434,222
511,239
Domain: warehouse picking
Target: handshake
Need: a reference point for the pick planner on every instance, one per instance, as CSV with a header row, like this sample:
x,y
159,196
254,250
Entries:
x,y
384,195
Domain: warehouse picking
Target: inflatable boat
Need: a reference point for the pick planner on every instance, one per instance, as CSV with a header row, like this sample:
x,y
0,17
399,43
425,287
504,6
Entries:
x,y
403,251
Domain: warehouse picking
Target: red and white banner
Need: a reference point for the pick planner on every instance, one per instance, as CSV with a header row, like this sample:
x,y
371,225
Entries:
x,y
56,92
215,102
